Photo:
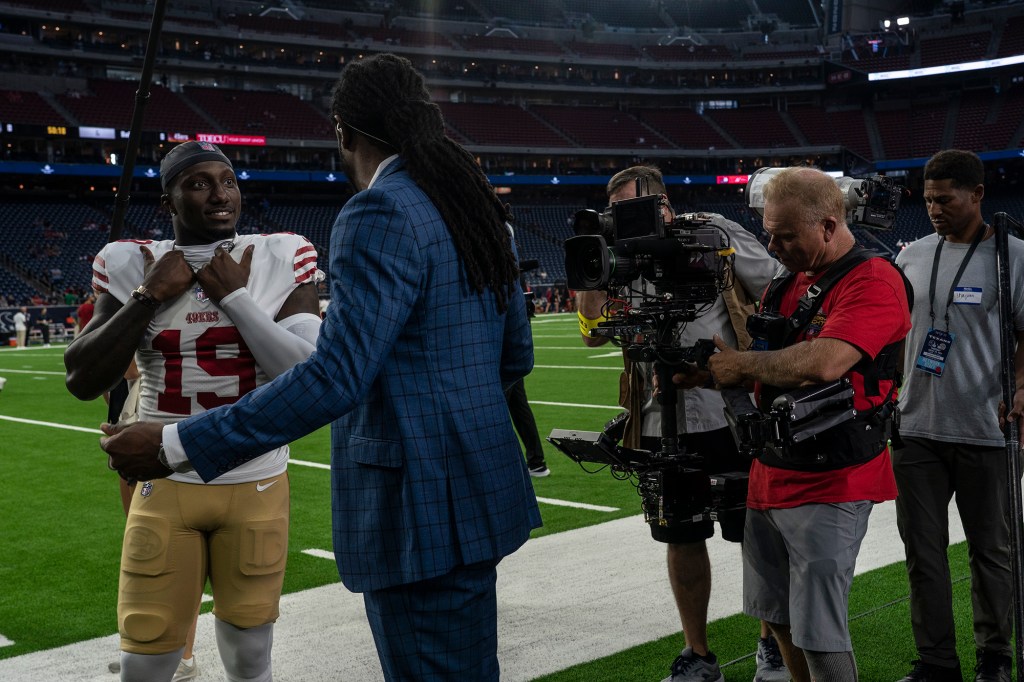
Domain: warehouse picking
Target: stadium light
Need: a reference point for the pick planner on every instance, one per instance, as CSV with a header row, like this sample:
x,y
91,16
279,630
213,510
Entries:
x,y
899,21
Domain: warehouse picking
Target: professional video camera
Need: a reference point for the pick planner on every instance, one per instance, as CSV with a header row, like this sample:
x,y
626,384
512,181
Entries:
x,y
673,491
664,273
681,258
870,202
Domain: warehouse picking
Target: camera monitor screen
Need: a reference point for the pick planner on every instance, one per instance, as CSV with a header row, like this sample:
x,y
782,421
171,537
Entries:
x,y
638,217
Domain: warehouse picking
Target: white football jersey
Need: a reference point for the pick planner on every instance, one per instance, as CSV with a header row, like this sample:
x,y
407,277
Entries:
x,y
192,357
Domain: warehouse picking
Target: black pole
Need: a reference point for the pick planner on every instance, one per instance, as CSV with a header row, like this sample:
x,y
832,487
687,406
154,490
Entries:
x,y
1007,345
141,98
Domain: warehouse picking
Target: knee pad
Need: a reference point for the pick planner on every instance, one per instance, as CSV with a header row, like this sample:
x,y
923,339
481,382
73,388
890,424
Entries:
x,y
144,615
245,652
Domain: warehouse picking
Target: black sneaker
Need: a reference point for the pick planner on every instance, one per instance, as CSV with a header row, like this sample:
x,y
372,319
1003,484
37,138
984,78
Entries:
x,y
540,471
926,672
689,667
992,667
770,666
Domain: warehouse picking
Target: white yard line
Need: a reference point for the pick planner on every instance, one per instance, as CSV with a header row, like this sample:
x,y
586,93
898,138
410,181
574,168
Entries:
x,y
581,405
582,368
577,505
30,371
52,425
563,599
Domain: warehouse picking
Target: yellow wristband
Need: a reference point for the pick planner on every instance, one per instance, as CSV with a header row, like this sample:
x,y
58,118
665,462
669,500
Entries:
x,y
586,324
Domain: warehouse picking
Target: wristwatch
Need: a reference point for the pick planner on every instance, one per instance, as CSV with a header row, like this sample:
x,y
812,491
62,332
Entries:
x,y
143,296
161,455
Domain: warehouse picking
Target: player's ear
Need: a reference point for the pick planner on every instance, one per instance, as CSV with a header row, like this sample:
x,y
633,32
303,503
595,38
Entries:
x,y
165,203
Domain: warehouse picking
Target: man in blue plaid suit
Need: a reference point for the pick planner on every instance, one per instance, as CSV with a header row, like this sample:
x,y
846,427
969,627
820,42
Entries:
x,y
427,323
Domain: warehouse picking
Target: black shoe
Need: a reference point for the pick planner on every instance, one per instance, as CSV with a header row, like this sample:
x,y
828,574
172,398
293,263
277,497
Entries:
x,y
540,471
926,672
992,667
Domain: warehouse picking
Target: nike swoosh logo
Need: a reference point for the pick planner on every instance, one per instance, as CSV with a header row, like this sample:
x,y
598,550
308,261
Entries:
x,y
260,487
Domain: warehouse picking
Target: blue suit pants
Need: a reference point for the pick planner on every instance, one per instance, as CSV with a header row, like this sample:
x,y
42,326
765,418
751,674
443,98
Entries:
x,y
440,629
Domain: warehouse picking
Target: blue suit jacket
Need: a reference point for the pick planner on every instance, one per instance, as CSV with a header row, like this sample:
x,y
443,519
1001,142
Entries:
x,y
427,472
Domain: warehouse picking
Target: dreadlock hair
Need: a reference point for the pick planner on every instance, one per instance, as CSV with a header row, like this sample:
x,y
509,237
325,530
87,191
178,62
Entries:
x,y
385,98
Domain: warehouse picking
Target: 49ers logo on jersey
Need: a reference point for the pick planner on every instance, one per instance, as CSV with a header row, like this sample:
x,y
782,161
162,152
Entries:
x,y
211,316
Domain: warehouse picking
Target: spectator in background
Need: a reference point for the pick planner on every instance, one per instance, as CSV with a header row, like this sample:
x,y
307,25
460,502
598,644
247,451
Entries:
x,y
521,413
42,323
85,312
21,320
526,427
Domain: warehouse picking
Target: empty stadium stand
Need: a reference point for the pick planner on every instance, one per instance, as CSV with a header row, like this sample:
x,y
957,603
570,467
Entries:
x,y
601,127
110,103
269,113
502,124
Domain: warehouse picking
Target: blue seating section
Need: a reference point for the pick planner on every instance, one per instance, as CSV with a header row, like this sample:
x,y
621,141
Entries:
x,y
47,238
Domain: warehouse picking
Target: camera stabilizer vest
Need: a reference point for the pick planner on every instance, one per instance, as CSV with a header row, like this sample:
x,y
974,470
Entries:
x,y
865,436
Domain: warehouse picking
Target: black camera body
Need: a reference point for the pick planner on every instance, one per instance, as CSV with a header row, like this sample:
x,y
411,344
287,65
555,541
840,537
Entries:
x,y
880,198
870,202
631,239
768,330
673,495
673,490
792,419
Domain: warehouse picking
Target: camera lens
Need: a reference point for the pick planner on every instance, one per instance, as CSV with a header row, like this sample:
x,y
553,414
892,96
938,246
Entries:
x,y
592,263
586,262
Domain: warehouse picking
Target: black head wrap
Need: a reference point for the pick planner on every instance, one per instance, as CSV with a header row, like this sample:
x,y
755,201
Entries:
x,y
189,154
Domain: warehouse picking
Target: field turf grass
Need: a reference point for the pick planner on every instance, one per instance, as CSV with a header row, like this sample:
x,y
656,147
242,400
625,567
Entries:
x,y
62,518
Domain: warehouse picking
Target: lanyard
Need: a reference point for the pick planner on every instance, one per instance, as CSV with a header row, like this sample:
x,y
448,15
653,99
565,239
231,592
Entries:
x,y
982,231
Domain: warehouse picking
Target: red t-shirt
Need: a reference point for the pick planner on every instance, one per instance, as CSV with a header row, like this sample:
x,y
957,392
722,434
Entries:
x,y
868,309
84,314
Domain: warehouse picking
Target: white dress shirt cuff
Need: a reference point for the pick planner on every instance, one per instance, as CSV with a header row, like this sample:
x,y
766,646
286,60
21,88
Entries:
x,y
174,451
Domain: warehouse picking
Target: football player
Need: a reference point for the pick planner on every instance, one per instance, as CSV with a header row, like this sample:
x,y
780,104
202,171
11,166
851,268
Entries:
x,y
208,316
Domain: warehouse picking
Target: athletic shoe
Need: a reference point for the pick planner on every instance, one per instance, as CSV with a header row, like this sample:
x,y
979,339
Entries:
x,y
540,472
770,666
926,672
185,671
992,667
3,381
689,667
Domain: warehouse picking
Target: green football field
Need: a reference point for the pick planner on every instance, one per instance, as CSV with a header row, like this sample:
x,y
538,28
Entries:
x,y
62,518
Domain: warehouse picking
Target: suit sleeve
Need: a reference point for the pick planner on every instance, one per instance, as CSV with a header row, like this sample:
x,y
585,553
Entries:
x,y
376,278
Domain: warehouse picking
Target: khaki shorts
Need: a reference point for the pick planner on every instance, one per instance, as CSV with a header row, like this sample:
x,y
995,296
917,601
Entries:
x,y
180,534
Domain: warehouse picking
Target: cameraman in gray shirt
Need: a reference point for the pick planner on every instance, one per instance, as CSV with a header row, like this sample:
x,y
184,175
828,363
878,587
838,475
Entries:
x,y
702,429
